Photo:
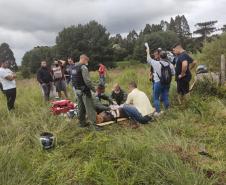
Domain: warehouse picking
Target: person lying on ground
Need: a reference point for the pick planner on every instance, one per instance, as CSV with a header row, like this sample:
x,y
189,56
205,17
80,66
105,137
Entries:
x,y
138,107
45,79
163,72
118,95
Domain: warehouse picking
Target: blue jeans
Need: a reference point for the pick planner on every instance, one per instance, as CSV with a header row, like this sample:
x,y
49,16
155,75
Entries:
x,y
163,92
135,115
102,79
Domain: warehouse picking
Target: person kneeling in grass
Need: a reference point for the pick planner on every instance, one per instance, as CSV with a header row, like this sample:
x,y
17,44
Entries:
x,y
98,97
138,107
118,95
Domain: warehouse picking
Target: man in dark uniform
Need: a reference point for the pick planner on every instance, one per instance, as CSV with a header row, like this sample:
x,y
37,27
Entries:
x,y
83,87
98,97
184,63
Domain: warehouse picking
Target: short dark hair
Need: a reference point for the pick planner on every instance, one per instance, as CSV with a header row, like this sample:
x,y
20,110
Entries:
x,y
176,44
133,84
163,55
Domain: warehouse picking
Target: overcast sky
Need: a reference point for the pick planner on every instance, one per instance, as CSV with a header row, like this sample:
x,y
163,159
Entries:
x,y
25,24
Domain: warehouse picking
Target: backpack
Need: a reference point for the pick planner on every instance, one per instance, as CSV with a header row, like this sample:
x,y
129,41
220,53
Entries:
x,y
57,73
166,74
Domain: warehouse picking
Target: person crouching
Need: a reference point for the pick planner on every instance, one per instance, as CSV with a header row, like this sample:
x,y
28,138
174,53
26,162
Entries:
x,y
138,107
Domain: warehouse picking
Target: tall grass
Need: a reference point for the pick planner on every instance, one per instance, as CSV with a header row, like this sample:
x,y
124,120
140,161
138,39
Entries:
x,y
164,152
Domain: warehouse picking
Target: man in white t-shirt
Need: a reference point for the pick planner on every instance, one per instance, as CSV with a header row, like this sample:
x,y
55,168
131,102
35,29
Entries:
x,y
7,78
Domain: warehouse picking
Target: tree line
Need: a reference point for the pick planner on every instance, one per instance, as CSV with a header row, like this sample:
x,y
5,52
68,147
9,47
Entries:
x,y
94,40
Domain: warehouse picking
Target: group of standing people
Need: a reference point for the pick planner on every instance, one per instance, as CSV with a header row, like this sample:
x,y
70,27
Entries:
x,y
55,78
136,105
162,70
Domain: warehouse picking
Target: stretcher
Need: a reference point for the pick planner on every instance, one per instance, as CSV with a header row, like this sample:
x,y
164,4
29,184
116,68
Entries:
x,y
111,122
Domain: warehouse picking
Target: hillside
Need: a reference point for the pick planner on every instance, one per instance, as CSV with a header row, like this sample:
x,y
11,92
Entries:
x,y
164,152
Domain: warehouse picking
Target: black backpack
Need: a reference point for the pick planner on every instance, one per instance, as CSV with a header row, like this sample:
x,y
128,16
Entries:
x,y
166,74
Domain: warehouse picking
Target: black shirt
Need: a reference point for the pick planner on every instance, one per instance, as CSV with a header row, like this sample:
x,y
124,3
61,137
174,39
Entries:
x,y
120,98
183,57
44,75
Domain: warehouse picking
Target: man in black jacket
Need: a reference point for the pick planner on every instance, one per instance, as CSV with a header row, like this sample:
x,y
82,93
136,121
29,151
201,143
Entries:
x,y
118,94
45,79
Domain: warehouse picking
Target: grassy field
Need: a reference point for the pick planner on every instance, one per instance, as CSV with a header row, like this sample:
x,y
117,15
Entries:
x,y
164,152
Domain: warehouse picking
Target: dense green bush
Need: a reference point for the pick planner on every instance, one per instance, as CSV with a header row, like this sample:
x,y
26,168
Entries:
x,y
211,53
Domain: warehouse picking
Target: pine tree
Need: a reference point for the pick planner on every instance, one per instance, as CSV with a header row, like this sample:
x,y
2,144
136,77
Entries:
x,y
205,29
147,29
224,28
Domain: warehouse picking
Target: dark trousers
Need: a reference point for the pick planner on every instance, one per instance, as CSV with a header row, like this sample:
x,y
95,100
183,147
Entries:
x,y
46,90
11,97
85,107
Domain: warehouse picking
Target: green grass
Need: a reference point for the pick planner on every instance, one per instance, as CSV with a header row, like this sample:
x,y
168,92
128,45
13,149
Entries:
x,y
164,152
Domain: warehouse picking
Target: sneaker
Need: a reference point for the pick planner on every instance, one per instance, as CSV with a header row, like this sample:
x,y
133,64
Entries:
x,y
158,114
135,126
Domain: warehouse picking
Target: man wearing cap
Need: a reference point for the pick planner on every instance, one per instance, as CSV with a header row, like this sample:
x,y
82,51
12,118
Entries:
x,y
7,78
184,63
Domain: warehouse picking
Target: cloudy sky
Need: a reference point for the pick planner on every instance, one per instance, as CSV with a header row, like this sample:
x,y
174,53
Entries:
x,y
25,24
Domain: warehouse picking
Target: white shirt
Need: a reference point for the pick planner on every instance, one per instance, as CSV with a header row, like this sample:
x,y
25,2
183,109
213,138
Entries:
x,y
140,100
157,67
6,84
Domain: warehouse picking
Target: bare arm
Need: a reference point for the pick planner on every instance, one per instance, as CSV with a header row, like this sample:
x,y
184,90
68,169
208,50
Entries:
x,y
193,64
184,68
11,77
149,59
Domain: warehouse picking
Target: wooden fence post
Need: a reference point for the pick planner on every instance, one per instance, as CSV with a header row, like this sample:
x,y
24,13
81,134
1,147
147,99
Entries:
x,y
222,71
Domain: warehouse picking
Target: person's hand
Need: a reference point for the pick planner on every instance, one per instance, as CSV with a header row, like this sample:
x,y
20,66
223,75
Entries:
x,y
181,76
114,103
14,75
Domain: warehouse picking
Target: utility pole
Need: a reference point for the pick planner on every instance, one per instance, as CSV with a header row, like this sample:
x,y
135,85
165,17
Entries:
x,y
222,70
